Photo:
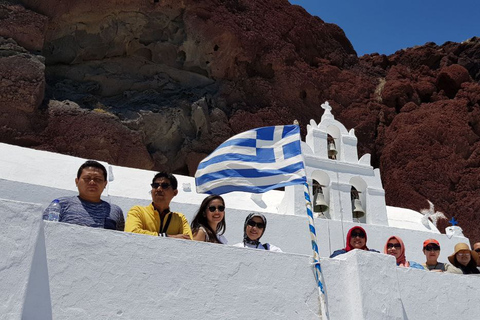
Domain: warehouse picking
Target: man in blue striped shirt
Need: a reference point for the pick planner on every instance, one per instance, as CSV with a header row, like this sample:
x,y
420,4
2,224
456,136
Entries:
x,y
88,209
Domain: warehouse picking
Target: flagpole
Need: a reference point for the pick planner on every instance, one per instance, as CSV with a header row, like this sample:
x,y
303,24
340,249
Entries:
x,y
316,255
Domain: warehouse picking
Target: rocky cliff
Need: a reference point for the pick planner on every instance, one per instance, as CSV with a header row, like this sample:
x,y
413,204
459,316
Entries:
x,y
158,84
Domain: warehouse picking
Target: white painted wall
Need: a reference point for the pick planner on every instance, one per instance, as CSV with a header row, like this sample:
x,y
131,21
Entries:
x,y
103,274
24,286
367,285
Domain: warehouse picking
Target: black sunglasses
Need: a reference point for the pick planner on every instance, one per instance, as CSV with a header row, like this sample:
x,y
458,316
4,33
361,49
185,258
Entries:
x,y
213,208
164,185
259,225
477,250
432,248
358,234
394,245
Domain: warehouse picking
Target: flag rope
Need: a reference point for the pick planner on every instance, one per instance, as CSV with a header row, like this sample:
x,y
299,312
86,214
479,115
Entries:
x,y
316,255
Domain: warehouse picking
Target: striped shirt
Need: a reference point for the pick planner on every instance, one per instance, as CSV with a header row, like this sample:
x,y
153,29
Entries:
x,y
92,214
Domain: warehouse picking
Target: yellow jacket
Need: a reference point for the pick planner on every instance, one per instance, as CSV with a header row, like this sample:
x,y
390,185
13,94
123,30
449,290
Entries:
x,y
146,220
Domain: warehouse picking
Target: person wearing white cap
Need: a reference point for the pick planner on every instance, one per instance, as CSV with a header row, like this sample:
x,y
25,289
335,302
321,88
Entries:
x,y
253,230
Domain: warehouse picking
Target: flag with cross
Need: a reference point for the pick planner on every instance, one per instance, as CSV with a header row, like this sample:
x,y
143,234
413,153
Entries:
x,y
254,161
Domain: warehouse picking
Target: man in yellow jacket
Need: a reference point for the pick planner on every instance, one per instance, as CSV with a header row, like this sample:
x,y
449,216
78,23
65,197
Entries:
x,y
157,219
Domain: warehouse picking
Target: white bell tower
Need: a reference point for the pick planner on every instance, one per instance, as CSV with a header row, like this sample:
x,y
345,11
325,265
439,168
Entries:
x,y
351,190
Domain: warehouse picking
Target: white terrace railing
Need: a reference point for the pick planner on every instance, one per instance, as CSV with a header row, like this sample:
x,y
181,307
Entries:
x,y
62,271
73,272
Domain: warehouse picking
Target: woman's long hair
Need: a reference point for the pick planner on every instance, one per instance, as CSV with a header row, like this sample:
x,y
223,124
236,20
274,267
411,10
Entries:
x,y
200,219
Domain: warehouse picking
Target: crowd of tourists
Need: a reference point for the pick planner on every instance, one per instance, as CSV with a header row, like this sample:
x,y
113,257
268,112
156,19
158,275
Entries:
x,y
208,224
462,261
156,219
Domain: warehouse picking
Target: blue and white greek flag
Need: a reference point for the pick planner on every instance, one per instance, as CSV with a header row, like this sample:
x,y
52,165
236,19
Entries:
x,y
254,161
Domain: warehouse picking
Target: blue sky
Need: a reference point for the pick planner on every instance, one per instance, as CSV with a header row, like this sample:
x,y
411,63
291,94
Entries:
x,y
385,26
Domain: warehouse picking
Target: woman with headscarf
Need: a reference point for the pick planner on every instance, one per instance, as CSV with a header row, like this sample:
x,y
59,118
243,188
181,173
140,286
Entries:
x,y
396,248
464,259
253,230
356,239
209,223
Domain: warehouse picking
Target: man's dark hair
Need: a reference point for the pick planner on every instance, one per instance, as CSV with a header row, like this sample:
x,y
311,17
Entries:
x,y
93,164
168,176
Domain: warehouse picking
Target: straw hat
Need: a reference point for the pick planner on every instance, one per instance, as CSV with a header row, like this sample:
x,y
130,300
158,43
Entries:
x,y
459,247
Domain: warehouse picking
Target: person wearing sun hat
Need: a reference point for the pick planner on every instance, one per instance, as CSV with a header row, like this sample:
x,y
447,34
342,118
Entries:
x,y
464,259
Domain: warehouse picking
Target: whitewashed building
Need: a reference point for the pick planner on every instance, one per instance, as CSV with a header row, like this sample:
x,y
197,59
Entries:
x,y
61,271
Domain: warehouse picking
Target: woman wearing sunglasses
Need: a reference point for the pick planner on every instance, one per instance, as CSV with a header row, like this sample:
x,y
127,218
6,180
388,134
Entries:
x,y
253,230
464,259
396,248
209,223
356,239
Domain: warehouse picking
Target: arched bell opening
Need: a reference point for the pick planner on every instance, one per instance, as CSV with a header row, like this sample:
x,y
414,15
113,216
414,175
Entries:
x,y
333,143
357,209
321,194
331,148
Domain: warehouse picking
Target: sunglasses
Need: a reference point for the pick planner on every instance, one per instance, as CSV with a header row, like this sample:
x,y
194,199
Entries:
x,y
259,225
463,254
213,208
432,248
394,245
95,179
477,250
164,185
358,234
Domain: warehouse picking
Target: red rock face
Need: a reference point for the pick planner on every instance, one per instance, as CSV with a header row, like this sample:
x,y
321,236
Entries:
x,y
22,84
161,84
93,135
25,26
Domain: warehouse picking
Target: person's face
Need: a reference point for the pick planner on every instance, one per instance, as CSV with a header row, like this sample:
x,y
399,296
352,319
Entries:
x,y
357,239
255,232
463,257
162,191
216,216
476,247
91,184
394,248
432,252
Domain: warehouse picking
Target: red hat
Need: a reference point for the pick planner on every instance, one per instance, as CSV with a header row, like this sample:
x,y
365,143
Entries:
x,y
429,241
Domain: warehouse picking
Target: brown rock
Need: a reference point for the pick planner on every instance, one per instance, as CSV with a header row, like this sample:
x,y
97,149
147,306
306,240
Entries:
x,y
93,135
22,79
425,90
397,93
26,27
427,151
451,78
